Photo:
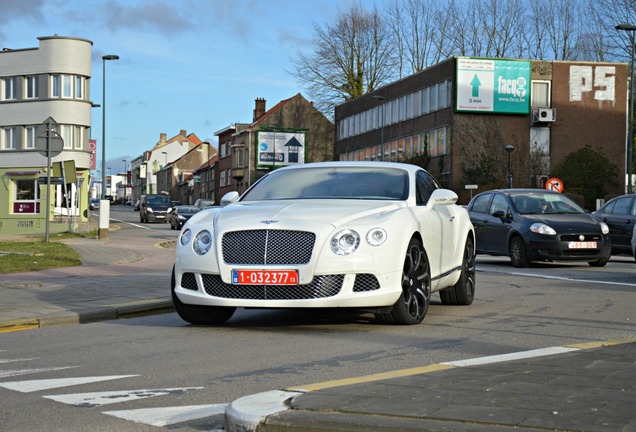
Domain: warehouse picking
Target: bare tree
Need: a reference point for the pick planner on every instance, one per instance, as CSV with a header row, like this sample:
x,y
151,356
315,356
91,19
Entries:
x,y
352,57
420,29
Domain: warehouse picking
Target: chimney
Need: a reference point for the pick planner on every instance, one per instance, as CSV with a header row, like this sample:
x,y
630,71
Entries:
x,y
183,132
162,137
259,108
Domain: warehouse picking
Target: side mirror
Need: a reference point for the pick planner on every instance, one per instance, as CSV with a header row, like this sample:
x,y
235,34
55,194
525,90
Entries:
x,y
441,197
229,198
502,215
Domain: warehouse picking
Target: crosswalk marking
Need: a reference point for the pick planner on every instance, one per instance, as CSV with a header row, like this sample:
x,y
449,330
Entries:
x,y
18,372
38,385
89,400
168,415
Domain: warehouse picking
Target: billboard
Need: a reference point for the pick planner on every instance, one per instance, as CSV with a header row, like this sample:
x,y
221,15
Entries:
x,y
275,149
493,86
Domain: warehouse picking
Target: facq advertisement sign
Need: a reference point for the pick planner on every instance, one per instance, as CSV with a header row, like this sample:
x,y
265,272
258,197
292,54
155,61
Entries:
x,y
276,149
493,86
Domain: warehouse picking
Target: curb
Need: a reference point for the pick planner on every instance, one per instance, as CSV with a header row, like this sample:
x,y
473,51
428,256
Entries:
x,y
120,311
249,412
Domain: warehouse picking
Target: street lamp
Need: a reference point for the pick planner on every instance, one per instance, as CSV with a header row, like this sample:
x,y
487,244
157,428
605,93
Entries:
x,y
104,58
381,98
125,179
509,148
630,134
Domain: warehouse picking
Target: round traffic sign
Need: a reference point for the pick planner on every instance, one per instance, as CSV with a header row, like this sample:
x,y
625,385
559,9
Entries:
x,y
56,143
554,184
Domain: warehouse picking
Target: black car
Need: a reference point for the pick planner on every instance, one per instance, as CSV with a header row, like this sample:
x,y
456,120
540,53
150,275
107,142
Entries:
x,y
620,216
180,214
537,225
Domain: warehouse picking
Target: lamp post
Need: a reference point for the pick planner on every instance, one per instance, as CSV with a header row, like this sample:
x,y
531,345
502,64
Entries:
x,y
125,182
630,134
381,98
509,148
104,58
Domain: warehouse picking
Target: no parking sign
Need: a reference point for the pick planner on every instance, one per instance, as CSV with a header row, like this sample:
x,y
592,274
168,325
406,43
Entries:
x,y
554,184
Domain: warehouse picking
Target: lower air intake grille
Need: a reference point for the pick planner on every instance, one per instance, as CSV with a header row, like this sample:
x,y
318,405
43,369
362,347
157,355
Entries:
x,y
365,282
188,281
320,287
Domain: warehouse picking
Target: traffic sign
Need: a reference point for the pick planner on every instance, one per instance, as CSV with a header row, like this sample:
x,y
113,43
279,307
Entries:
x,y
554,184
42,143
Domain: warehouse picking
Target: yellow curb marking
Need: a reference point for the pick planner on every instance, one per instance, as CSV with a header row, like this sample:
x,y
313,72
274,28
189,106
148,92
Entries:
x,y
369,378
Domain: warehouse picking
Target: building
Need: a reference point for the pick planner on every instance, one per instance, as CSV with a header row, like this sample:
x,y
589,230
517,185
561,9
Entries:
x,y
176,179
292,131
457,118
45,109
145,167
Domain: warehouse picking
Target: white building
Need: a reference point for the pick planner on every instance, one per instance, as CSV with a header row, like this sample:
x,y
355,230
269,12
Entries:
x,y
50,82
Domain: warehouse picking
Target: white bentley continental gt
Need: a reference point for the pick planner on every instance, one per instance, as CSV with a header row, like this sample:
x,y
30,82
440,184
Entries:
x,y
374,236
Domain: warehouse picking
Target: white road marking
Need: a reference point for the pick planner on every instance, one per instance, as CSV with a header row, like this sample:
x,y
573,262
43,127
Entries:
x,y
168,415
18,372
563,278
111,397
511,356
38,385
17,360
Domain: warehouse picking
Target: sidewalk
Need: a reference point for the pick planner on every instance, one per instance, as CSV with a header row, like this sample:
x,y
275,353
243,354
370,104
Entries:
x,y
125,275
586,387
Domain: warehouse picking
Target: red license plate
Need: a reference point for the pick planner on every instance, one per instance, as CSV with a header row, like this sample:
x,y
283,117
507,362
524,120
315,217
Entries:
x,y
265,277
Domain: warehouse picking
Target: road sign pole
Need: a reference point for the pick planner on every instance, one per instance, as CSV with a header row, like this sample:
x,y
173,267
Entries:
x,y
48,178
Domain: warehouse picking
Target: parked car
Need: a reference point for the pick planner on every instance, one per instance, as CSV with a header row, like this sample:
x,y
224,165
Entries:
x,y
537,225
376,236
620,215
154,208
203,202
94,204
634,242
180,215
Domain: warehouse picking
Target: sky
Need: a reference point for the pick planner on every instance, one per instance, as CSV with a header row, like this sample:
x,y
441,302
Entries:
x,y
196,65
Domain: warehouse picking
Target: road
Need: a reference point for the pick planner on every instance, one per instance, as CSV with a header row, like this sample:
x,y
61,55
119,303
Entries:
x,y
159,373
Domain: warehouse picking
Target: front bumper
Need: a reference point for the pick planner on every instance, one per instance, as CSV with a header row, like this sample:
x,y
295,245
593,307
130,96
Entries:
x,y
559,248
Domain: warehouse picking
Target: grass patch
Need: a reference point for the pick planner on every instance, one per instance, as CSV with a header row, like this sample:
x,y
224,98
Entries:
x,y
26,256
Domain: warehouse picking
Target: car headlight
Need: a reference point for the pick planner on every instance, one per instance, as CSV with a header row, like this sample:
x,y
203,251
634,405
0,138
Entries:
x,y
541,228
202,242
345,242
181,217
376,236
185,237
604,228
149,209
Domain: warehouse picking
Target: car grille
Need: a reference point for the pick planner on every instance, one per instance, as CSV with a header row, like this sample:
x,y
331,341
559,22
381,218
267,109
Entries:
x,y
320,287
575,237
267,247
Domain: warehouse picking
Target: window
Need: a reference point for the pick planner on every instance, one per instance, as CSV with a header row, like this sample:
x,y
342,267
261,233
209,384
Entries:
x,y
9,88
425,101
31,134
443,99
409,106
78,137
67,90
417,103
238,158
222,179
79,87
499,203
387,114
25,196
55,85
425,184
9,139
433,101
480,205
395,111
67,135
540,94
33,87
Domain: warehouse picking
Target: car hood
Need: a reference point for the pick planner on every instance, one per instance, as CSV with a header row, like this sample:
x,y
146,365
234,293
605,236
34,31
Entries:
x,y
296,213
566,223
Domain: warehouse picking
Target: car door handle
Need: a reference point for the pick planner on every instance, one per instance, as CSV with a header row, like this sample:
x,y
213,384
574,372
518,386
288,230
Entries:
x,y
452,218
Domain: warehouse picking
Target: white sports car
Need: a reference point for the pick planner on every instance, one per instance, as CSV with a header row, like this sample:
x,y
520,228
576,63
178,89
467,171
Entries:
x,y
375,236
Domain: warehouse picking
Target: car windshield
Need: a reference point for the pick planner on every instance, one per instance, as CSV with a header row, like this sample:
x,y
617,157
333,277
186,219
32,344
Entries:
x,y
544,202
332,183
187,209
159,200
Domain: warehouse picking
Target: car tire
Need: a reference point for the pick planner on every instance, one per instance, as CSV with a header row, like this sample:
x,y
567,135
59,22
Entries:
x,y
463,292
598,263
200,315
412,306
517,252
